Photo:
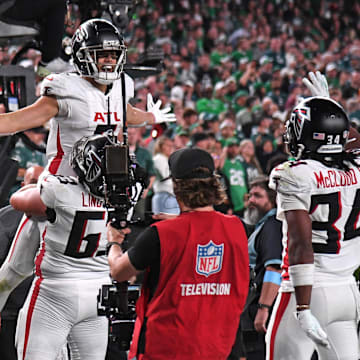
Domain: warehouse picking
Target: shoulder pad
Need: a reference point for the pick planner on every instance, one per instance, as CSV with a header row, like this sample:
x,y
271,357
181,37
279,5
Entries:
x,y
72,180
290,176
52,186
54,85
53,180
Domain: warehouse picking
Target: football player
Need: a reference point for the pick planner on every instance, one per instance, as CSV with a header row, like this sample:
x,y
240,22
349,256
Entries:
x,y
318,86
84,103
71,265
317,197
87,102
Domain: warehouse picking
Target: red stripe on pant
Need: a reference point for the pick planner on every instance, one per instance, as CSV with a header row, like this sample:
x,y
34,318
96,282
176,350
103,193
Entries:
x,y
30,313
284,301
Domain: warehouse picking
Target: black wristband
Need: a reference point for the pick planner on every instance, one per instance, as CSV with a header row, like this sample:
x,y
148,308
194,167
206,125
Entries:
x,y
262,306
110,244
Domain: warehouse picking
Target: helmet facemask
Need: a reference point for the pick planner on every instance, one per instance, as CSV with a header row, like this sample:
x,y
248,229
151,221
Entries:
x,y
92,40
296,149
103,73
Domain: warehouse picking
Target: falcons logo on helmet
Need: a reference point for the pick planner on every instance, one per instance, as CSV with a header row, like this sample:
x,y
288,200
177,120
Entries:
x,y
298,117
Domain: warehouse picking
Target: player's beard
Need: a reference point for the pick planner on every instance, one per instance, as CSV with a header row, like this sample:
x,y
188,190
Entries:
x,y
252,215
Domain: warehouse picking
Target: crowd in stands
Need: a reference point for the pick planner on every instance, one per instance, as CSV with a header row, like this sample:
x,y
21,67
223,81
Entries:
x,y
232,71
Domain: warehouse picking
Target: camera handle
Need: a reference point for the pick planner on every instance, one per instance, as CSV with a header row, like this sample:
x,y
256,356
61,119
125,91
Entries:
x,y
118,219
123,204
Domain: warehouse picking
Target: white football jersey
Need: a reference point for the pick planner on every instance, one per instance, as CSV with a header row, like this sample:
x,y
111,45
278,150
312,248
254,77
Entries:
x,y
73,243
83,111
332,199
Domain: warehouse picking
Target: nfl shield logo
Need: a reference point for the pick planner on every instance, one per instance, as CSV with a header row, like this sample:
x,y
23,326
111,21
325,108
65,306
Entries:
x,y
209,258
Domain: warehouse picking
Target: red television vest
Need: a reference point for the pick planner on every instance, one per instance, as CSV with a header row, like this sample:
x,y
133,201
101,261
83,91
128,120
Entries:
x,y
202,288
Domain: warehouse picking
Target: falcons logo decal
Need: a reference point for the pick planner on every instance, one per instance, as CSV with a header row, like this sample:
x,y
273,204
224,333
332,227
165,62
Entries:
x,y
298,118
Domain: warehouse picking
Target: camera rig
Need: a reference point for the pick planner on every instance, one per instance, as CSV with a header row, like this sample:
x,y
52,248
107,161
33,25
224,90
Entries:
x,y
117,302
124,181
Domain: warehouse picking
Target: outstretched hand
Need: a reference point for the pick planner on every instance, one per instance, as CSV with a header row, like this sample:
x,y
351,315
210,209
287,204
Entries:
x,y
160,115
318,85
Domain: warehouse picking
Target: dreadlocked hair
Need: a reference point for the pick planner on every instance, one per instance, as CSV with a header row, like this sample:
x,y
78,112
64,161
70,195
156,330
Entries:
x,y
339,161
196,193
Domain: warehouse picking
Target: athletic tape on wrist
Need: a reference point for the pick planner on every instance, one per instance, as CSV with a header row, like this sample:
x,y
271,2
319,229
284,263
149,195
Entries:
x,y
302,274
273,277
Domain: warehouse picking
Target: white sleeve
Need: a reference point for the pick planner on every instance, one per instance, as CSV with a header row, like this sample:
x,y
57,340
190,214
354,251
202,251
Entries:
x,y
293,190
48,189
55,85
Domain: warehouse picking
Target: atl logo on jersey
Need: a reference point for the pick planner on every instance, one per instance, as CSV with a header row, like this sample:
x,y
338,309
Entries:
x,y
209,258
103,116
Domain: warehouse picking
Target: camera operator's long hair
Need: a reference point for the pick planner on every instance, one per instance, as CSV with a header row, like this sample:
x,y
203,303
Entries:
x,y
196,193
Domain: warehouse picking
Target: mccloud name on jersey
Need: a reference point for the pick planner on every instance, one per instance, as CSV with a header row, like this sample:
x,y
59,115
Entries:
x,y
335,178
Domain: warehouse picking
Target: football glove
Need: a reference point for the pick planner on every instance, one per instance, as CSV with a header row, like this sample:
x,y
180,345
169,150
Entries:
x,y
312,328
161,115
318,85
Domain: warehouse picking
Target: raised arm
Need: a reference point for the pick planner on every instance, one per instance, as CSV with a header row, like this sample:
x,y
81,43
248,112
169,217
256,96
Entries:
x,y
30,116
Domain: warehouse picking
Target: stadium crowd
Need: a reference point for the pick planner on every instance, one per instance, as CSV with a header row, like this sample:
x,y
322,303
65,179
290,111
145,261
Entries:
x,y
232,73
233,70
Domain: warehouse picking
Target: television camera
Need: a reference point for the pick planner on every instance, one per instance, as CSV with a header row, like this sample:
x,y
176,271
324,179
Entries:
x,y
117,302
124,181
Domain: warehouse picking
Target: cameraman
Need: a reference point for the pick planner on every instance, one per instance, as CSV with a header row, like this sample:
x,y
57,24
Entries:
x,y
196,269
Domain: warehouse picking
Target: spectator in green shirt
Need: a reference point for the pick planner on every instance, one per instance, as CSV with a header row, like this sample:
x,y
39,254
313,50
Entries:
x,y
144,159
208,103
27,155
235,172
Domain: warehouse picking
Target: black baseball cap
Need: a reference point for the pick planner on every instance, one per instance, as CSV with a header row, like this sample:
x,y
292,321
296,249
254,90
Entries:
x,y
185,164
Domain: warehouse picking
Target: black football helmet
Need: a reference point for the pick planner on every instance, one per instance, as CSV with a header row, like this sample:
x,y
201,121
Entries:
x,y
317,125
92,38
87,158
